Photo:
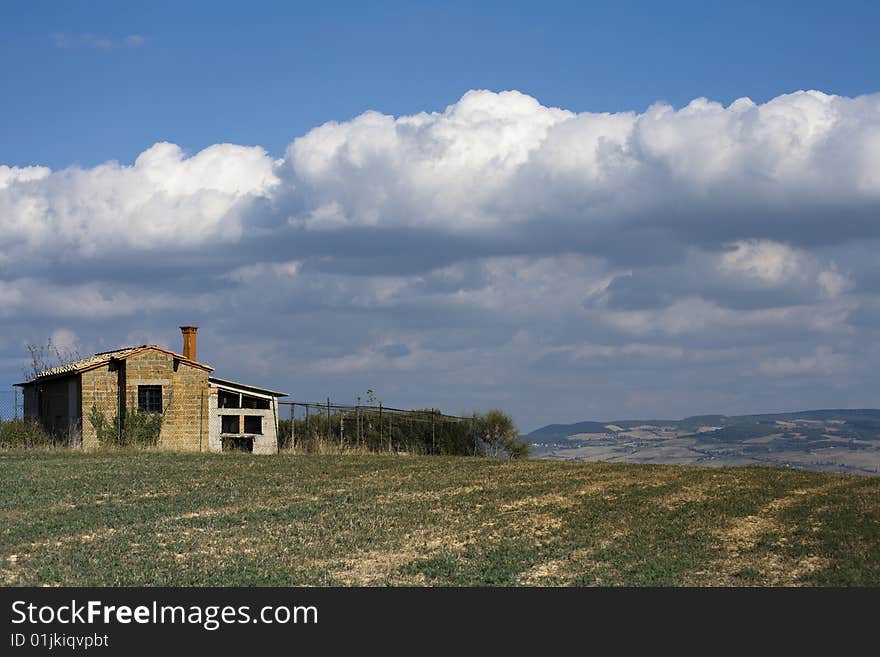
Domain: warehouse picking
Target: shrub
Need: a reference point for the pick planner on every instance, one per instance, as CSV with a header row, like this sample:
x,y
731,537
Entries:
x,y
105,431
16,434
141,429
138,429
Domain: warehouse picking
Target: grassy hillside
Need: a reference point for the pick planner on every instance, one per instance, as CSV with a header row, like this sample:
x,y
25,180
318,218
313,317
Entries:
x,y
143,518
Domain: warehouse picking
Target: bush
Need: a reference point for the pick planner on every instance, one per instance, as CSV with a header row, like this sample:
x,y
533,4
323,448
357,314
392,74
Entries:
x,y
105,431
17,434
138,429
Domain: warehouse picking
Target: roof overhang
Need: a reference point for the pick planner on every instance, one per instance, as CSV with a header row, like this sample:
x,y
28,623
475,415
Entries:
x,y
243,387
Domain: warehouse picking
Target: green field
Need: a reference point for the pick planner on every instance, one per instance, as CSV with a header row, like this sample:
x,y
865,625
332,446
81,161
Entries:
x,y
152,518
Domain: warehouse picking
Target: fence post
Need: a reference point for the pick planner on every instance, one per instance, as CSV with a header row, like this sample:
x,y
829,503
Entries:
x,y
389,434
202,402
329,428
474,431
293,425
15,403
433,439
380,425
308,424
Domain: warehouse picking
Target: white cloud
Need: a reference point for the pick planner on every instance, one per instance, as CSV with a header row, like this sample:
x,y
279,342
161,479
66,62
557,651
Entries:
x,y
833,283
763,261
490,162
261,271
494,160
69,40
94,301
497,247
163,200
823,361
81,40
66,341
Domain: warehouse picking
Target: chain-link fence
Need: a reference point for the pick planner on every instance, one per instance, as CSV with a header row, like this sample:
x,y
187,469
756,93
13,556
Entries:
x,y
16,431
11,404
57,424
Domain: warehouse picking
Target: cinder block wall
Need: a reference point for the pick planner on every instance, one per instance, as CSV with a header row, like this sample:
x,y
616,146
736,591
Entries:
x,y
267,443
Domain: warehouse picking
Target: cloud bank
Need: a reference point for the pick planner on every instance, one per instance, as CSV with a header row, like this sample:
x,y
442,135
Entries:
x,y
564,265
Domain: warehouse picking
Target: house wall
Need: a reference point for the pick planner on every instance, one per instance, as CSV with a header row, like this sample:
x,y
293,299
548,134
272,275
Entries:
x,y
56,405
184,398
99,391
30,410
266,443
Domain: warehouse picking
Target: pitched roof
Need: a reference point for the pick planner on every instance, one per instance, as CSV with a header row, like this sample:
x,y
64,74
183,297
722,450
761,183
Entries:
x,y
104,357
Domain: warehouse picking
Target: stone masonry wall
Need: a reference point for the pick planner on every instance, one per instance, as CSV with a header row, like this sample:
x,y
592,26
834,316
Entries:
x,y
99,391
184,398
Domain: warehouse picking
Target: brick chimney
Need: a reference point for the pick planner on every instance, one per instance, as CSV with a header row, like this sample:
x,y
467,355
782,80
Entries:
x,y
189,341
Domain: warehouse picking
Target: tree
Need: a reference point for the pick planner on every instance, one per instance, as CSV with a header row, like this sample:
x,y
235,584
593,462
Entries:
x,y
497,429
46,357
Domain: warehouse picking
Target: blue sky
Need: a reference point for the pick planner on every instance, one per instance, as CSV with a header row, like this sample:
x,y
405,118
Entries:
x,y
567,210
264,73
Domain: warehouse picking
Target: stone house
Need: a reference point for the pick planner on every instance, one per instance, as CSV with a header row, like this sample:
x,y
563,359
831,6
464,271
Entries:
x,y
199,412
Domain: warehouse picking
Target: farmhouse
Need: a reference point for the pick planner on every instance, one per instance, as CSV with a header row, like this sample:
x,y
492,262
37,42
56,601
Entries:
x,y
196,411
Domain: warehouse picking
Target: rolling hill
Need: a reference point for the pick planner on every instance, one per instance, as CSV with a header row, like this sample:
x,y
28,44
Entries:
x,y
839,440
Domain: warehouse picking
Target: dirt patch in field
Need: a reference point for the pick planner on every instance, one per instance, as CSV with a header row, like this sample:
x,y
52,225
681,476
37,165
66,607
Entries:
x,y
579,564
380,567
539,501
429,495
543,574
679,498
756,544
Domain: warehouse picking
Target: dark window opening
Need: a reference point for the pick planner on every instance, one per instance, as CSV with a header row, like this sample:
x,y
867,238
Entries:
x,y
226,399
253,424
229,424
150,399
254,402
238,444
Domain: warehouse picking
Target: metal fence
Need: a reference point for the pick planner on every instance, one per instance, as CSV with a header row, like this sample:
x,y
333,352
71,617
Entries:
x,y
377,428
11,404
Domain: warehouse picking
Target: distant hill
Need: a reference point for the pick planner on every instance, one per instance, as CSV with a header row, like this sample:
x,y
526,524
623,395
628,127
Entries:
x,y
859,420
842,440
553,432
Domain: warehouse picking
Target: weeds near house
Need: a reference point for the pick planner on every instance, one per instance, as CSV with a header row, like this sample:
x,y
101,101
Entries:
x,y
18,434
136,429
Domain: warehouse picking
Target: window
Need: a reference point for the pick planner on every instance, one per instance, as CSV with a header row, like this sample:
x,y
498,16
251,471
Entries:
x,y
254,402
229,424
253,424
150,399
226,399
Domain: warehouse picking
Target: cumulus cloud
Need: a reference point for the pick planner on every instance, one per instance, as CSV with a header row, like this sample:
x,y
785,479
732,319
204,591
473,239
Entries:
x,y
494,161
497,248
165,199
